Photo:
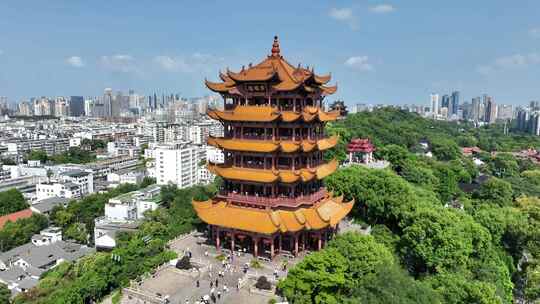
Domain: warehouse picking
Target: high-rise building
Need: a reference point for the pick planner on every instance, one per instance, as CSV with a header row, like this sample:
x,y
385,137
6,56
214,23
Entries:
x,y
534,124
445,101
505,112
61,107
26,109
76,106
454,104
491,109
107,103
273,198
434,104
522,119
534,105
177,163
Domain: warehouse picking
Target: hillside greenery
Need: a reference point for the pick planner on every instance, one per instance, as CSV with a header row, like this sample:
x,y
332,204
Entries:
x,y
431,241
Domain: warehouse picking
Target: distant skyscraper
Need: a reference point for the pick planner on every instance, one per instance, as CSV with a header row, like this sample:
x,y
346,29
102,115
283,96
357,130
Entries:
x,y
445,101
107,102
454,104
434,104
534,105
491,109
522,120
61,107
535,124
76,106
504,112
475,109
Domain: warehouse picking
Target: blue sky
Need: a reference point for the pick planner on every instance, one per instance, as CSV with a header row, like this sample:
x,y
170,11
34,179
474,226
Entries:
x,y
377,51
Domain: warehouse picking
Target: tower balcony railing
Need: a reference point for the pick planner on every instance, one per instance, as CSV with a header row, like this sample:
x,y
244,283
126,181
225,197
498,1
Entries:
x,y
283,201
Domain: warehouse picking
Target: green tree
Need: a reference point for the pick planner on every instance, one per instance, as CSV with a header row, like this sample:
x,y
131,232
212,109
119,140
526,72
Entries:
x,y
390,284
17,233
383,194
495,191
147,181
37,155
457,289
12,201
5,294
395,154
364,255
533,176
532,288
319,278
440,239
445,149
77,232
504,165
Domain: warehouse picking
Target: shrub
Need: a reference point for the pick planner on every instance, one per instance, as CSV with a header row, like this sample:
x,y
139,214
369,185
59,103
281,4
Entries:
x,y
263,283
255,264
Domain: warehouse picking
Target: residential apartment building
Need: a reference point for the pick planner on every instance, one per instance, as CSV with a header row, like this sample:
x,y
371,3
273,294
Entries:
x,y
178,163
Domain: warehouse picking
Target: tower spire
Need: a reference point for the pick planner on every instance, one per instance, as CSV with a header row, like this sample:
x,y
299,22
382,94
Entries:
x,y
275,47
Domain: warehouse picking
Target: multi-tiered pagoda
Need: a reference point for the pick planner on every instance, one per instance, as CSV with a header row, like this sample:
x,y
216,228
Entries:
x,y
273,199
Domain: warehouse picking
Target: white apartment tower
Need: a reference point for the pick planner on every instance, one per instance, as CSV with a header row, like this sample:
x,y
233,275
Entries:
x,y
177,163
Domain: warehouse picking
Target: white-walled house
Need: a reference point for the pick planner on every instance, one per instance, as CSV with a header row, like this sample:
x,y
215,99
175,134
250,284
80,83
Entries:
x,y
54,189
123,213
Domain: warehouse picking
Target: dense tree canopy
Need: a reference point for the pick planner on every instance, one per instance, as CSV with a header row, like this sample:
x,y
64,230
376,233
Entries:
x,y
12,201
74,155
18,233
456,247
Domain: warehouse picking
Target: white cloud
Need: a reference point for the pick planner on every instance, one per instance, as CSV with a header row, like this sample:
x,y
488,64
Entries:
x,y
535,32
510,62
345,15
194,62
382,8
119,63
75,61
359,63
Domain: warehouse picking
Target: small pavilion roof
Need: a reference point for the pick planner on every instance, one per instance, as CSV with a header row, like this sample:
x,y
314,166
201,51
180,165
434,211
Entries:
x,y
360,145
327,213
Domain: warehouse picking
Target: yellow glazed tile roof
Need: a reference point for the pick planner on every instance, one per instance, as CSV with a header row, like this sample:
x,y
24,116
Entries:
x,y
328,213
276,71
270,114
269,176
268,146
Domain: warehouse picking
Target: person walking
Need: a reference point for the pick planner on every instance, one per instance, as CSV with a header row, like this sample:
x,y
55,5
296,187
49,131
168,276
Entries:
x,y
197,283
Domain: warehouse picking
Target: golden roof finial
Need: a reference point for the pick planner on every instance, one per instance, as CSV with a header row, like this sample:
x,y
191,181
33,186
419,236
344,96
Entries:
x,y
275,47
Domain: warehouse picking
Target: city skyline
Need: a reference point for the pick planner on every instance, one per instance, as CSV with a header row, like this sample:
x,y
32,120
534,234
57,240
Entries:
x,y
382,52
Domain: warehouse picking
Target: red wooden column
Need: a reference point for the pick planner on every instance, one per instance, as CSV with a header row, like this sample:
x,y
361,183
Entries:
x,y
217,240
272,247
232,242
256,246
279,240
296,244
319,241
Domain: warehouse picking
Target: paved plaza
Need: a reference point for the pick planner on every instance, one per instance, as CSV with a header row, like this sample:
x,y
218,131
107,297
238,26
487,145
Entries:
x,y
179,286
234,286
